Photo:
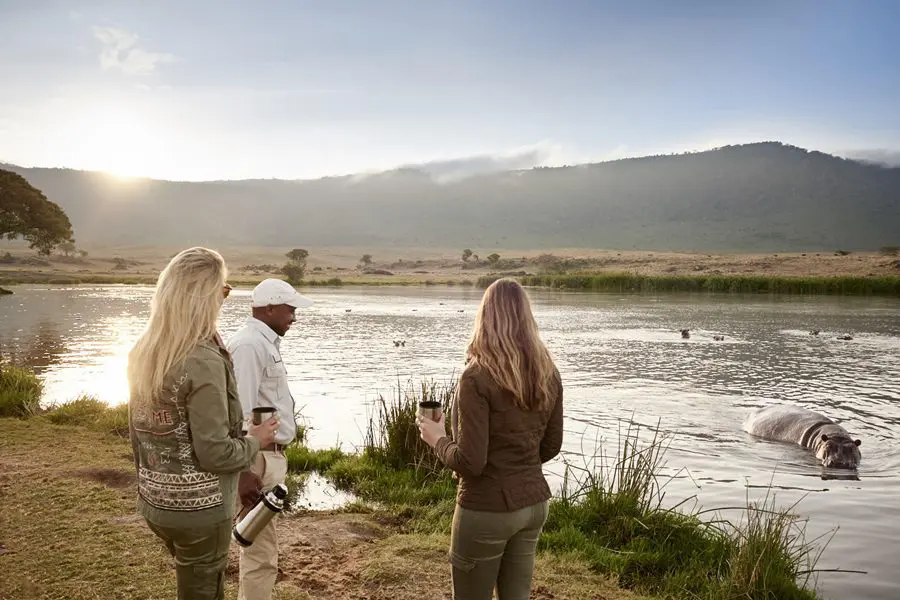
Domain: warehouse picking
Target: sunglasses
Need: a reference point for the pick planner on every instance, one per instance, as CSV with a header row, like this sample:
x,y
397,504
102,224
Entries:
x,y
226,289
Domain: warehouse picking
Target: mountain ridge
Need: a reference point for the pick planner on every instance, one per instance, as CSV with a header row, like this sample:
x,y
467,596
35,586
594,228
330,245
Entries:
x,y
742,198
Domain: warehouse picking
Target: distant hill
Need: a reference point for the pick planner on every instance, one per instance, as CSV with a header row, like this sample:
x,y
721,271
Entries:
x,y
755,197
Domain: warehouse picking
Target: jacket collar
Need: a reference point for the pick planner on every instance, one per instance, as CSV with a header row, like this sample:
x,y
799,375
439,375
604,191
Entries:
x,y
265,330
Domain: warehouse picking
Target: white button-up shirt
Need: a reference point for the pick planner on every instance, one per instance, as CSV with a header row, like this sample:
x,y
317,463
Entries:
x,y
261,376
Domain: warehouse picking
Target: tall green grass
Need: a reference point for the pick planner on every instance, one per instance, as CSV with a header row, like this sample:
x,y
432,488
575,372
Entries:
x,y
395,468
614,516
611,512
20,396
392,436
20,392
301,459
733,284
88,411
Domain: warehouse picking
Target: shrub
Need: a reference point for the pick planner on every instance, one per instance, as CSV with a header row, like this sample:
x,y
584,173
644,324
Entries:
x,y
83,410
20,392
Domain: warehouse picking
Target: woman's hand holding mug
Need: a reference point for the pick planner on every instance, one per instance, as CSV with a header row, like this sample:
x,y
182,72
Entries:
x,y
431,431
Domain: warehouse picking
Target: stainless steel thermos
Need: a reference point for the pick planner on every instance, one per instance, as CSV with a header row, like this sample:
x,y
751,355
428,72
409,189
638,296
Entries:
x,y
272,503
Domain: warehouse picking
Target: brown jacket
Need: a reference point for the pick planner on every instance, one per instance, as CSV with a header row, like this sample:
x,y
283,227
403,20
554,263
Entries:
x,y
498,448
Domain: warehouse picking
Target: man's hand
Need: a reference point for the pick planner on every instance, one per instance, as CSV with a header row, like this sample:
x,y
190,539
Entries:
x,y
249,488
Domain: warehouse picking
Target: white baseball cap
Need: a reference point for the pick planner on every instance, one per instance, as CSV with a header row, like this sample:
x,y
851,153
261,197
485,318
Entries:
x,y
277,291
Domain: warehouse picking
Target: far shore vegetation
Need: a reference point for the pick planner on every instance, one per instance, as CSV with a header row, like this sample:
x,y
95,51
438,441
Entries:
x,y
43,227
608,522
613,272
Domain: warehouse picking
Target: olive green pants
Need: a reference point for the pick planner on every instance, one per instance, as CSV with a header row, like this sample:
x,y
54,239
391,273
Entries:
x,y
201,555
495,549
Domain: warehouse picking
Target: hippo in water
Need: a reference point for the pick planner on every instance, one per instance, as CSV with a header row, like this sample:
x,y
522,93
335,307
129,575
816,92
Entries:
x,y
829,441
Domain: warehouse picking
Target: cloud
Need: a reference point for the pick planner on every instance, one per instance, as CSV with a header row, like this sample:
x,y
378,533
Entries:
x,y
544,154
120,51
881,156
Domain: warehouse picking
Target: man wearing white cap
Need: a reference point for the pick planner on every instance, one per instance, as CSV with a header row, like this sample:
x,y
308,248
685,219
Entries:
x,y
262,381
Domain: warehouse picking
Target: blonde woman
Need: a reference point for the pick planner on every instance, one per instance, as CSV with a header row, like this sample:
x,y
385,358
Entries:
x,y
185,422
506,421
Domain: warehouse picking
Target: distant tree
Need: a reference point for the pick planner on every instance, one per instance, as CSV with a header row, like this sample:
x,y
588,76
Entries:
x,y
467,254
83,253
120,264
297,255
295,268
25,212
475,258
366,259
493,259
294,271
67,248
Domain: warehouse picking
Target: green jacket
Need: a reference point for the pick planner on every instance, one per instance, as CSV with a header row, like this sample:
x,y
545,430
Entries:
x,y
188,446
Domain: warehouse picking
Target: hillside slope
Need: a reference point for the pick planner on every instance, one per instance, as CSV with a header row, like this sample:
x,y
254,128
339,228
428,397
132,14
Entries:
x,y
755,197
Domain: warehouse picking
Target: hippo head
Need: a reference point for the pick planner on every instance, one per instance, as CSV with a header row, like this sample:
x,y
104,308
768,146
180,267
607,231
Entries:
x,y
838,452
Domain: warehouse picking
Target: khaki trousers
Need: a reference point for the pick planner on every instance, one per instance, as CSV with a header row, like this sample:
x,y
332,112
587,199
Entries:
x,y
259,562
495,549
201,554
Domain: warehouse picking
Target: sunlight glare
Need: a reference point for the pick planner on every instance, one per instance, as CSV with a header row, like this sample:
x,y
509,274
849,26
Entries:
x,y
117,141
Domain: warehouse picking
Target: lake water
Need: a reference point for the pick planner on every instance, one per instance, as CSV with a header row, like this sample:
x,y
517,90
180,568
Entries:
x,y
621,358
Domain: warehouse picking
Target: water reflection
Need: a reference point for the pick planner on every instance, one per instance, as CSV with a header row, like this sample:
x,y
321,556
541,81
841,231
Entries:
x,y
37,349
840,476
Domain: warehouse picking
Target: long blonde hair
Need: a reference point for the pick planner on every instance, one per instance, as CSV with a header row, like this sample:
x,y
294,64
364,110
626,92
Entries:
x,y
506,343
183,312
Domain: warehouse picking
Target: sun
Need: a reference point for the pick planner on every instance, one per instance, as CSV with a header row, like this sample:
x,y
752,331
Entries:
x,y
117,141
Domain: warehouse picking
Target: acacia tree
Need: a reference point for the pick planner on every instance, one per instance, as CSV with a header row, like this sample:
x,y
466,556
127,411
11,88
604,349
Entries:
x,y
366,259
298,255
466,255
295,268
25,212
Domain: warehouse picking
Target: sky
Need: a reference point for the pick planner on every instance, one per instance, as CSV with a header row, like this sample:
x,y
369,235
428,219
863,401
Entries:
x,y
230,89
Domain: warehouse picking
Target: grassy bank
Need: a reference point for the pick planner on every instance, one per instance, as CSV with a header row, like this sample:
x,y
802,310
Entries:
x,y
607,524
734,284
609,517
69,531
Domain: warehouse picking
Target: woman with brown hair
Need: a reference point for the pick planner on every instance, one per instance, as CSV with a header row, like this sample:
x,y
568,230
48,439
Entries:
x,y
506,421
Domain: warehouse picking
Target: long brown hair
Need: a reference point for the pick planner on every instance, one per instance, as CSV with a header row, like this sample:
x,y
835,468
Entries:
x,y
506,343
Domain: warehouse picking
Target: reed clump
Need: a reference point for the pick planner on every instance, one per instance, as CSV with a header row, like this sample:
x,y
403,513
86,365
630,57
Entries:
x,y
614,516
727,284
395,469
20,392
732,284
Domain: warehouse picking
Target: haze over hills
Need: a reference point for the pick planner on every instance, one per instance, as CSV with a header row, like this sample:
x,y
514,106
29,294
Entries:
x,y
755,197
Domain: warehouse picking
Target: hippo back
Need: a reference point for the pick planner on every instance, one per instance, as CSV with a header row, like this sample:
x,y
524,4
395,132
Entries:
x,y
785,423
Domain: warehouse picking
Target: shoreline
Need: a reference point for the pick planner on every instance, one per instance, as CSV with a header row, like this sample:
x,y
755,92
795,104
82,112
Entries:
x,y
617,282
88,493
608,530
567,268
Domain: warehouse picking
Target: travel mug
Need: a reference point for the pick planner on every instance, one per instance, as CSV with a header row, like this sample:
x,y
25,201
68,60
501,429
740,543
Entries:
x,y
262,414
430,409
